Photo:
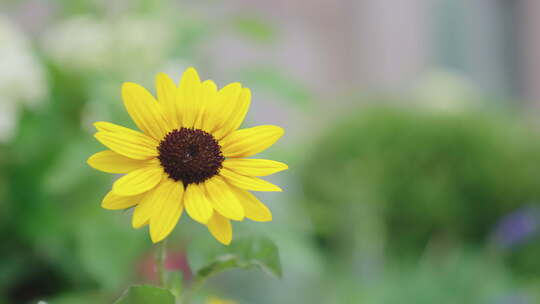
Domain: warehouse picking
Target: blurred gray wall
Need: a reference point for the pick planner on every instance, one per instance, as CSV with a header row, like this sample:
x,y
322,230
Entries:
x,y
389,44
529,53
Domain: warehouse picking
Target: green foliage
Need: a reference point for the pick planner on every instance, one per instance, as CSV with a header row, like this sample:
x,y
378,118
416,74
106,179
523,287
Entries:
x,y
453,277
245,252
108,249
175,282
385,178
418,176
57,241
146,294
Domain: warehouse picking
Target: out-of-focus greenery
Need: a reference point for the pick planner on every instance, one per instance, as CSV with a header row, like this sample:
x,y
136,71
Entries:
x,y
399,183
458,277
57,243
146,294
53,231
394,205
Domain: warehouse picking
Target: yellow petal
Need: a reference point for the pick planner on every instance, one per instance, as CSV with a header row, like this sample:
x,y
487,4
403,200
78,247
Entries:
x,y
254,167
125,141
254,209
143,211
209,96
247,182
167,94
229,107
222,199
189,94
239,113
167,209
219,108
247,142
112,162
197,205
221,228
138,181
117,202
144,110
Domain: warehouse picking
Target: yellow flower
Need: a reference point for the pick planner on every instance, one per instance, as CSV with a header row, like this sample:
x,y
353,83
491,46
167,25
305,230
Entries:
x,y
214,300
190,155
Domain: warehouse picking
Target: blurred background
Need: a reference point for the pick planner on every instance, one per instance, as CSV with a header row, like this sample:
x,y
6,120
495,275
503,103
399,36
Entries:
x,y
412,139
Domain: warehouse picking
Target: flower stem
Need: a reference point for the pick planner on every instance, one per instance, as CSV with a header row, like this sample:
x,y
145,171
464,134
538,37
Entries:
x,y
161,257
195,286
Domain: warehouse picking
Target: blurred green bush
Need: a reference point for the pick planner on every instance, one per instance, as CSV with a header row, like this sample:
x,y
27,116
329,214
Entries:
x,y
401,182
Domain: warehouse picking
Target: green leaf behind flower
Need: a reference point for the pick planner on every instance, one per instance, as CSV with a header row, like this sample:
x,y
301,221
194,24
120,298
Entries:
x,y
247,252
144,294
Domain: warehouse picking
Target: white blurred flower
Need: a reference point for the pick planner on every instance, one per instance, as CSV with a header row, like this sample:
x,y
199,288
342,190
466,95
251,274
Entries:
x,y
446,91
140,42
22,78
81,42
86,43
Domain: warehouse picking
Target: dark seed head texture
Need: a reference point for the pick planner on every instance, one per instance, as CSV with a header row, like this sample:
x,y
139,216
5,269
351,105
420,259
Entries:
x,y
190,155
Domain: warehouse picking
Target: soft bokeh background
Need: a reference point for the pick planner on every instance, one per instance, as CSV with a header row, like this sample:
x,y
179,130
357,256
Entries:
x,y
412,138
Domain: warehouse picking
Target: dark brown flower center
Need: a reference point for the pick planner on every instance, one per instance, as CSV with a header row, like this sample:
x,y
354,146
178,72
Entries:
x,y
190,155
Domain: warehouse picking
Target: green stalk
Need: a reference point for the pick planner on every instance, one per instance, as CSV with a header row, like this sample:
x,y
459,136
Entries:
x,y
161,257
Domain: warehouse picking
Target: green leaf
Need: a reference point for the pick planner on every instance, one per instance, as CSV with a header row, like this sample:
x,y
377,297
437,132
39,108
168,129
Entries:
x,y
248,252
109,261
175,281
144,294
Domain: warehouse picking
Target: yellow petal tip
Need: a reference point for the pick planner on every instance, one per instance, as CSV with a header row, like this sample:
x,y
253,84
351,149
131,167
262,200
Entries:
x,y
225,242
281,131
100,125
191,72
158,236
89,161
161,74
128,84
104,206
200,220
156,239
98,135
137,225
265,219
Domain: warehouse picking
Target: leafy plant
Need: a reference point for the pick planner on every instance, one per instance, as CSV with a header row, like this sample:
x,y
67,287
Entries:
x,y
419,178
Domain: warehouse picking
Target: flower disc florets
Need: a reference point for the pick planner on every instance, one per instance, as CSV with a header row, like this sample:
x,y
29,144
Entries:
x,y
190,155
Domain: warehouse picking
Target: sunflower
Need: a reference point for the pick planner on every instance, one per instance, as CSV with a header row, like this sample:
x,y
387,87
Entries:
x,y
189,154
